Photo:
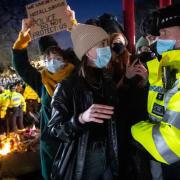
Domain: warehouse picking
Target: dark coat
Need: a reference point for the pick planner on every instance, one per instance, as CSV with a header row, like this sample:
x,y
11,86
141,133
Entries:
x,y
48,145
71,98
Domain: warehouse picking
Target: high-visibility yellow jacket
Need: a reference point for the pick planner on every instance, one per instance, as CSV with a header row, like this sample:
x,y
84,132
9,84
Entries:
x,y
4,102
160,135
29,93
16,99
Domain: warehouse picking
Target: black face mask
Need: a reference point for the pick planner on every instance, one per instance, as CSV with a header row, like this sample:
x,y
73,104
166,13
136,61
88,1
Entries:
x,y
146,56
118,48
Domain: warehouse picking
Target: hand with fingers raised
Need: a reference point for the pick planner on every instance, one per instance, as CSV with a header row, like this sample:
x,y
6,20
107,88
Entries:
x,y
24,37
71,15
97,113
141,70
136,68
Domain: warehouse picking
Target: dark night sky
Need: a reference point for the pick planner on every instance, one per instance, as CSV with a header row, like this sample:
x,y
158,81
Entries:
x,y
12,12
84,10
90,9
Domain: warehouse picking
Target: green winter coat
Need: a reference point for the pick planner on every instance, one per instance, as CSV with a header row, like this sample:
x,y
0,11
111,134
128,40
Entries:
x,y
48,145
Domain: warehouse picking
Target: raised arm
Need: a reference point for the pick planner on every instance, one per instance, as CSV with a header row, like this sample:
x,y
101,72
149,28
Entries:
x,y
20,58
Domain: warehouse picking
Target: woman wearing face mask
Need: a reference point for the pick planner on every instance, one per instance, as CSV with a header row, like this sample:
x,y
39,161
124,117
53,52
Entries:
x,y
85,113
120,57
129,75
44,82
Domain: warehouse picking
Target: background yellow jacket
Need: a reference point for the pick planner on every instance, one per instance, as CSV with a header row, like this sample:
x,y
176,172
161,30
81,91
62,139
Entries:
x,y
29,93
16,99
4,102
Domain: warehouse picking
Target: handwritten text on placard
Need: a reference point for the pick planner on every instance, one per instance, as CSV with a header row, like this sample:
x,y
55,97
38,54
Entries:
x,y
48,17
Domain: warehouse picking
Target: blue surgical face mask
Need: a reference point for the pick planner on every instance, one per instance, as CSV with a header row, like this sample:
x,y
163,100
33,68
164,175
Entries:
x,y
103,57
165,45
54,65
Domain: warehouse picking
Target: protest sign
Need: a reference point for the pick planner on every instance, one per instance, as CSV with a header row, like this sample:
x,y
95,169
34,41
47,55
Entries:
x,y
48,17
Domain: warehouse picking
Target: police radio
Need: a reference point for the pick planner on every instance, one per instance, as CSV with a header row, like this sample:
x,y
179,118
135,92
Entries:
x,y
169,77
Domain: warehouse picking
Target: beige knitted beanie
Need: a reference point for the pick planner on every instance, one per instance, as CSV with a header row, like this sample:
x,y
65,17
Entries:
x,y
84,37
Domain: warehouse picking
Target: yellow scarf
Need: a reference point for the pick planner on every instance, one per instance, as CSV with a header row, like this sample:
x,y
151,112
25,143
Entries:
x,y
50,80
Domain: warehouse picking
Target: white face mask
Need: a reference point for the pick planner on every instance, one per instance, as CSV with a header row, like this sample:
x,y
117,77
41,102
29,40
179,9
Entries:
x,y
54,65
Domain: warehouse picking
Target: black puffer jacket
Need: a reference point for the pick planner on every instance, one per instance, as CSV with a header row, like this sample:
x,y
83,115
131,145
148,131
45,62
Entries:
x,y
72,97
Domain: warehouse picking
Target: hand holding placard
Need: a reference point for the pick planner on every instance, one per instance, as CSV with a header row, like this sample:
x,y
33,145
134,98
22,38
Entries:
x,y
26,25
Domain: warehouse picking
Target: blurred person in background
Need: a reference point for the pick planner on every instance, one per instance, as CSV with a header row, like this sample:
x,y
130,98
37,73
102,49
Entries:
x,y
3,108
16,107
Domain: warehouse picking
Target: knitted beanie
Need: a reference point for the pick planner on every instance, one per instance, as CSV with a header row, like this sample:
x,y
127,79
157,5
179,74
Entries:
x,y
45,42
84,37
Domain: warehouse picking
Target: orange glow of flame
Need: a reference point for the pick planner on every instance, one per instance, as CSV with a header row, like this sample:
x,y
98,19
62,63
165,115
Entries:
x,y
9,144
6,148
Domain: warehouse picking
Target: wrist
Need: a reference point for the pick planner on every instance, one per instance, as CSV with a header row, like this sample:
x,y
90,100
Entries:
x,y
22,41
81,119
74,22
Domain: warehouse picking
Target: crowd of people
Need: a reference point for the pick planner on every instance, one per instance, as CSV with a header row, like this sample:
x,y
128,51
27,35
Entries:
x,y
104,113
19,106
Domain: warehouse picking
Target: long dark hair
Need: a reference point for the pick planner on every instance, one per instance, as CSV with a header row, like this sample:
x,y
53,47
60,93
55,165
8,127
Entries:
x,y
117,65
88,72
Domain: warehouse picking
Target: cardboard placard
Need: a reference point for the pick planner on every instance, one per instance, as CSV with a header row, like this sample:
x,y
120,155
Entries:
x,y
48,17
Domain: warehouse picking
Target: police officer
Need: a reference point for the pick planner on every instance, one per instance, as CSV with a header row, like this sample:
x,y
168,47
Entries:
x,y
4,94
160,135
15,110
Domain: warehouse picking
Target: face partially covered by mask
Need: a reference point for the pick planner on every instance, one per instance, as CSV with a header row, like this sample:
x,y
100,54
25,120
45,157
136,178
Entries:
x,y
54,65
165,45
103,57
118,48
169,39
118,43
54,62
100,55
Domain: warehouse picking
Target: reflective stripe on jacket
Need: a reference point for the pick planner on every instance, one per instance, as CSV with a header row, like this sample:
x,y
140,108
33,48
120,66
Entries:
x,y
160,135
16,99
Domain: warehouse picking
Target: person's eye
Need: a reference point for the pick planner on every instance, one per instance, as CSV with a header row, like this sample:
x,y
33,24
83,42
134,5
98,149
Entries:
x,y
104,43
163,33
